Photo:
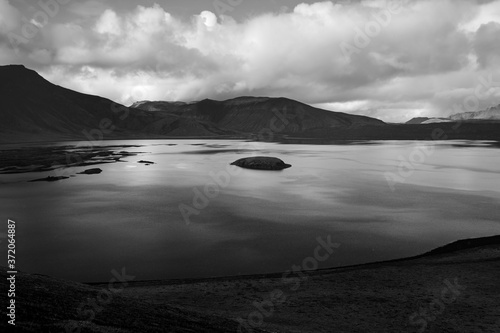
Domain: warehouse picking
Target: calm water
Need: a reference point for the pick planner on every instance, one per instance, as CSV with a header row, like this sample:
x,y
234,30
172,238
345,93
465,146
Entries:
x,y
255,221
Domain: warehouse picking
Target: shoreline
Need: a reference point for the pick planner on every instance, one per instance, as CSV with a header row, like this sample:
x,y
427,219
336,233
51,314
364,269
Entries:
x,y
458,245
459,130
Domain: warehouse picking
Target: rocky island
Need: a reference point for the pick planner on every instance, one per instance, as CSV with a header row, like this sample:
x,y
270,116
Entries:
x,y
261,163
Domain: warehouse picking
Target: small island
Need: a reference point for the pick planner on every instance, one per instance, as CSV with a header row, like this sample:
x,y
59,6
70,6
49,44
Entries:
x,y
146,162
261,163
94,171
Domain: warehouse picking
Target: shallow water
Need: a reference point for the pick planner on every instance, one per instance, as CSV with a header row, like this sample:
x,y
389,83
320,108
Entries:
x,y
254,221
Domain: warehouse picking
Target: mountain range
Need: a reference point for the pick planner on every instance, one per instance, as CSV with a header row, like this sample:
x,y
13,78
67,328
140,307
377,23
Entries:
x,y
253,115
490,114
33,109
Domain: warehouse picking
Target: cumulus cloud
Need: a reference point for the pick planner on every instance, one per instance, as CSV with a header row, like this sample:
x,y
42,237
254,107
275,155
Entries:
x,y
487,45
390,59
108,23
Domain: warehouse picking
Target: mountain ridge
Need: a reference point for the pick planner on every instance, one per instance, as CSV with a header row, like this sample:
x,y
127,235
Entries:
x,y
253,114
33,108
491,113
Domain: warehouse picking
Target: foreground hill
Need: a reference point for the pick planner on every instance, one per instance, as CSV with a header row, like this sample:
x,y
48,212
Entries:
x,y
451,289
46,304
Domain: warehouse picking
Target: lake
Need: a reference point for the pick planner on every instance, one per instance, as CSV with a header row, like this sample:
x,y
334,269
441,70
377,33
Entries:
x,y
193,215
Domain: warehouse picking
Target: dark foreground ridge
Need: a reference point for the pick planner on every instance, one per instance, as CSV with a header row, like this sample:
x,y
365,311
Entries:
x,y
394,296
465,244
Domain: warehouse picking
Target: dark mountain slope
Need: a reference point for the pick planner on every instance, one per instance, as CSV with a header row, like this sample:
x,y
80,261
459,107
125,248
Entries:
x,y
255,114
35,108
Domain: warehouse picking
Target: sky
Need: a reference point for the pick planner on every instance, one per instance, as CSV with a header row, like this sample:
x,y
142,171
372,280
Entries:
x,y
389,59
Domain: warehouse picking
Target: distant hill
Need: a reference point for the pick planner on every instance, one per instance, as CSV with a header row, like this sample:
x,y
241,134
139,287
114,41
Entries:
x,y
426,120
255,114
492,113
417,120
157,106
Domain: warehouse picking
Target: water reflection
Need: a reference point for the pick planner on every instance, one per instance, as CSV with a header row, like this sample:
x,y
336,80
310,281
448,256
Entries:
x,y
259,221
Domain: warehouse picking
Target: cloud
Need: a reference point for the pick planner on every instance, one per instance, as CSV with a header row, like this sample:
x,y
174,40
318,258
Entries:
x,y
489,11
9,16
108,23
390,59
87,8
487,45
208,19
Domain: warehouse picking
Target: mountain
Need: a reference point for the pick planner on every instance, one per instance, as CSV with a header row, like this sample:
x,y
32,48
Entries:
x,y
492,113
34,109
417,120
260,114
426,120
157,106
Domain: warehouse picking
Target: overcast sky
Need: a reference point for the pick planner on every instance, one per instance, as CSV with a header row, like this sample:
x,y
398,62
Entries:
x,y
391,59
